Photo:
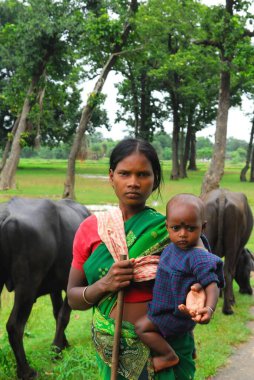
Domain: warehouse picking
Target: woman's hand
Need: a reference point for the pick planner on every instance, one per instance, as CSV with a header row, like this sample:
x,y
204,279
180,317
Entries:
x,y
195,302
119,276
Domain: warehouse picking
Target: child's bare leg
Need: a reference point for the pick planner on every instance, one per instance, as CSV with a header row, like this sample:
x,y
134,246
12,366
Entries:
x,y
165,356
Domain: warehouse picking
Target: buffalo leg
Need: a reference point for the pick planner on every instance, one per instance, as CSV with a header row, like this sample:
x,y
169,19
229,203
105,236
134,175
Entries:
x,y
15,328
229,298
61,310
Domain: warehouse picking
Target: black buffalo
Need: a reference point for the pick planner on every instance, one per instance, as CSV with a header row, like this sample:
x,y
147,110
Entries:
x,y
244,267
36,237
229,225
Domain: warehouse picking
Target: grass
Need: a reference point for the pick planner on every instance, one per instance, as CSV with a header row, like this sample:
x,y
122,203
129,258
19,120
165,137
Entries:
x,y
43,178
78,361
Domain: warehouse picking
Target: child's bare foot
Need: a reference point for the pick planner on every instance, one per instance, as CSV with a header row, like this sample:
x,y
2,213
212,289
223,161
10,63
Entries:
x,y
163,362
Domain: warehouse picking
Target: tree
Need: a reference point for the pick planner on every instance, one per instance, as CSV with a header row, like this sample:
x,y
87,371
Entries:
x,y
40,44
227,33
8,12
142,107
119,42
184,73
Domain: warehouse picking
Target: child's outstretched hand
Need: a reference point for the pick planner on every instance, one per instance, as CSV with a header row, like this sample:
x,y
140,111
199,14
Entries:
x,y
195,304
204,315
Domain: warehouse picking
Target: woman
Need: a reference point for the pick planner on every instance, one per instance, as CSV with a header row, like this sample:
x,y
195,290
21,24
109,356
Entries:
x,y
96,275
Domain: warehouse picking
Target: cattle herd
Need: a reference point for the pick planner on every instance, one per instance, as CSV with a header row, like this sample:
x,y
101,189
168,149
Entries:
x,y
36,237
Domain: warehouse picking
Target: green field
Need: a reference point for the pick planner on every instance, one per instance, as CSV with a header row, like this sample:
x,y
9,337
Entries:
x,y
45,179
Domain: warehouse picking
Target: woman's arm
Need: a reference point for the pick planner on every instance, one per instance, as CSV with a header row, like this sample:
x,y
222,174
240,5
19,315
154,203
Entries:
x,y
118,277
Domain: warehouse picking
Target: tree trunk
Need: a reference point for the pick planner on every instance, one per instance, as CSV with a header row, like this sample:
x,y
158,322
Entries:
x,y
8,144
40,98
216,170
83,124
175,137
252,167
175,143
182,166
187,144
69,184
7,180
145,113
248,155
8,174
135,100
192,161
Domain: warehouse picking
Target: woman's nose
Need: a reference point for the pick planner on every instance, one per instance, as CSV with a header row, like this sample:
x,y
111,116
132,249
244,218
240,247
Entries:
x,y
134,182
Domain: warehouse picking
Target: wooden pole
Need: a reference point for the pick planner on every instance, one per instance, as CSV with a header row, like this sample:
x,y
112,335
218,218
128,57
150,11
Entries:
x,y
118,327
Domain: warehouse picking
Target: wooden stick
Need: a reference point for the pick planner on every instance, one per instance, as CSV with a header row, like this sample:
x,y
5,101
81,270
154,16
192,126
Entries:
x,y
118,327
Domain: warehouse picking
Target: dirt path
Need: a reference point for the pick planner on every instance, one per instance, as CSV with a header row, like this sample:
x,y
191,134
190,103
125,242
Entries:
x,y
240,365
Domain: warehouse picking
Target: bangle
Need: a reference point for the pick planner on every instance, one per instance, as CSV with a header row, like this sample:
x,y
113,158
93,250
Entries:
x,y
84,296
208,307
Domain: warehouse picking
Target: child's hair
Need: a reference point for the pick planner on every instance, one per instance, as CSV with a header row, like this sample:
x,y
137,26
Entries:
x,y
129,146
189,199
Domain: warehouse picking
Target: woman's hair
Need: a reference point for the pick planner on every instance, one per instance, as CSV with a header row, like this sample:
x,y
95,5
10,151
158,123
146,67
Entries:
x,y
129,146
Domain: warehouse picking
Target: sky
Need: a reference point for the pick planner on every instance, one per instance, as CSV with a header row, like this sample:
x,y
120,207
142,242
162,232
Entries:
x,y
239,119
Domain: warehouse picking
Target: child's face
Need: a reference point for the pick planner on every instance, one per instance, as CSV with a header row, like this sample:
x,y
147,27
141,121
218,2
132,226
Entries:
x,y
184,225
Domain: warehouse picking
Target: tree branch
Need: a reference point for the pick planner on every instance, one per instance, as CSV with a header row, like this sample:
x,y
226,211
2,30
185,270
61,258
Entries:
x,y
207,43
248,33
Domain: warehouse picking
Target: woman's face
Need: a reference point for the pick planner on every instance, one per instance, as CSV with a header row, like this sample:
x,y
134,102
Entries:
x,y
133,181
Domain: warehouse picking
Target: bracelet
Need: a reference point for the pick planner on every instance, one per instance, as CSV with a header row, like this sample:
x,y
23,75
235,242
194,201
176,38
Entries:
x,y
210,309
84,297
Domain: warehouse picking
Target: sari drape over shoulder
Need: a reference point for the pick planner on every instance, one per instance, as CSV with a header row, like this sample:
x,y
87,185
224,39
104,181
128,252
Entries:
x,y
144,238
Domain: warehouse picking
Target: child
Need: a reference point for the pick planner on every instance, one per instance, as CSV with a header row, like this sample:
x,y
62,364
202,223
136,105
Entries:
x,y
183,263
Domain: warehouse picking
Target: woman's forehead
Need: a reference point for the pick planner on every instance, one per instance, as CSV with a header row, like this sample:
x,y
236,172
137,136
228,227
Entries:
x,y
135,160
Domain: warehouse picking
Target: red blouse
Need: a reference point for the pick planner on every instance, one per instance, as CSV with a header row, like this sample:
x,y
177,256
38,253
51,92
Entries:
x,y
86,241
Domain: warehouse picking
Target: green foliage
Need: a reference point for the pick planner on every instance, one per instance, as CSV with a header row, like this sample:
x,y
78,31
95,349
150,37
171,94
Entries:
x,y
204,153
10,136
185,75
40,43
233,144
162,144
45,152
238,156
161,58
95,99
23,138
204,142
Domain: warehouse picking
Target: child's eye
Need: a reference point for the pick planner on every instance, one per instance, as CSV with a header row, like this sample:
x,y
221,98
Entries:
x,y
191,229
175,228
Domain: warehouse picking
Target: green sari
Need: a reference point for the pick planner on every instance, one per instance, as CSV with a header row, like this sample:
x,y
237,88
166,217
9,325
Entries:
x,y
146,234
